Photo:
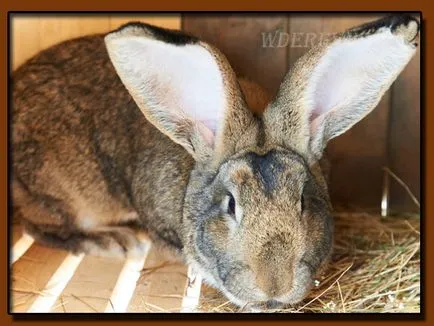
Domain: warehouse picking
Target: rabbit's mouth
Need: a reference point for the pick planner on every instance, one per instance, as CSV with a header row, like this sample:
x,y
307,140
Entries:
x,y
254,304
242,291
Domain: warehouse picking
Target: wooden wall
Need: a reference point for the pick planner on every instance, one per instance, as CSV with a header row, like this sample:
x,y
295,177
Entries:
x,y
389,136
31,33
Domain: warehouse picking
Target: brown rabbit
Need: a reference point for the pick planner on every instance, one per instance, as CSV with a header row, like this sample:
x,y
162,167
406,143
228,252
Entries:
x,y
149,129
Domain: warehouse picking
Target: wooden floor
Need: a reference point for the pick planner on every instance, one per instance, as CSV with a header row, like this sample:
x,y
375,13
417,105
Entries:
x,y
50,280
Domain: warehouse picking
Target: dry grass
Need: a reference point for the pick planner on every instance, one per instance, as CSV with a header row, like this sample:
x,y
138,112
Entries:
x,y
375,267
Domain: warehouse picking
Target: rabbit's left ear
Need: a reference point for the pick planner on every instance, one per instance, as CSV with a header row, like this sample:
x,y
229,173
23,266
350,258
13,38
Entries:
x,y
184,87
335,85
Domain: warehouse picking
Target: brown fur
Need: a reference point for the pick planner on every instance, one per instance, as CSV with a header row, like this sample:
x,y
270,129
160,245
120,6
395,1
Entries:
x,y
91,169
73,167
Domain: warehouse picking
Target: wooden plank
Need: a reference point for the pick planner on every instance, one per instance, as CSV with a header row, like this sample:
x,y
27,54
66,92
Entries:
x,y
21,242
31,34
161,286
56,284
171,21
126,283
356,157
241,39
89,284
191,299
24,38
404,159
53,30
31,273
90,288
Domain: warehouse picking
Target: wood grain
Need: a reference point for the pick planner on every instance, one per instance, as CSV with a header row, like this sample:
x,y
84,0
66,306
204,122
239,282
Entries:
x,y
404,152
91,286
53,30
161,285
31,273
240,38
33,33
172,21
24,39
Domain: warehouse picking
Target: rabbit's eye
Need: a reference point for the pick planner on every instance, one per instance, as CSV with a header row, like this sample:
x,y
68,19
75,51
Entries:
x,y
231,205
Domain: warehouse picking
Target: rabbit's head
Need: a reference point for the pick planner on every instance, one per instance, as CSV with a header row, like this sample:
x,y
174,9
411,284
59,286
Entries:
x,y
257,219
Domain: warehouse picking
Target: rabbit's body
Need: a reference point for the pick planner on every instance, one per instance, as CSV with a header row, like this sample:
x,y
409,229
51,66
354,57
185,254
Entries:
x,y
150,129
98,174
77,172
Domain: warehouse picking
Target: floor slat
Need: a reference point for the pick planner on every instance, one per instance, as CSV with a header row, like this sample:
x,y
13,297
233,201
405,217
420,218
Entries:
x,y
56,284
191,298
90,288
21,242
46,279
161,286
126,283
31,273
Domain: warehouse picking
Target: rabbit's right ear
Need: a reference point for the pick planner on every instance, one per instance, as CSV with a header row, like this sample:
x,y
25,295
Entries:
x,y
185,87
337,83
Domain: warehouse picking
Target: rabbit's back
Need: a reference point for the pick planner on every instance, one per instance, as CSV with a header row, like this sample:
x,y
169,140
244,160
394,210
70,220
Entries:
x,y
69,97
77,138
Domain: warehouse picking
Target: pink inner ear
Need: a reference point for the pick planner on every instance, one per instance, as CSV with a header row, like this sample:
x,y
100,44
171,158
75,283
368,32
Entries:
x,y
207,134
349,80
314,114
174,83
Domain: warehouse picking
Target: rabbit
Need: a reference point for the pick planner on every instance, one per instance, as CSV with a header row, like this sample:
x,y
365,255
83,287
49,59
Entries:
x,y
146,129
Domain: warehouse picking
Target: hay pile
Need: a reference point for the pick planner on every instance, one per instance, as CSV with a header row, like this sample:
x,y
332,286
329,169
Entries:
x,y
375,267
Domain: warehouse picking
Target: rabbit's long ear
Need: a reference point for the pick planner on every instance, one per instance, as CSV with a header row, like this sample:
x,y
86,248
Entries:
x,y
185,87
336,84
